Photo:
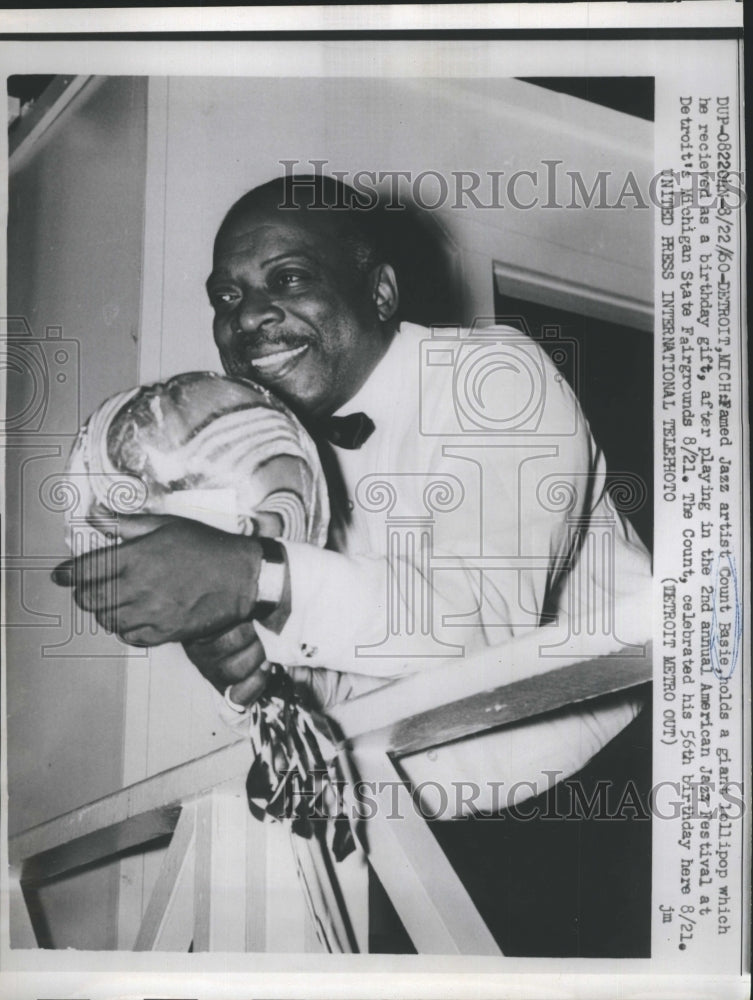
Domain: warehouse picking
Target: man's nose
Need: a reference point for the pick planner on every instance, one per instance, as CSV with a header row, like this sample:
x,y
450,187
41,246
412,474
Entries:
x,y
256,311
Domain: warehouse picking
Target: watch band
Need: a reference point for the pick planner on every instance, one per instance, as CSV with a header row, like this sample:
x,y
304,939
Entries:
x,y
271,583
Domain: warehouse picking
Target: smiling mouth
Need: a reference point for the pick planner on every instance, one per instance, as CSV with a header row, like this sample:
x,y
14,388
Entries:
x,y
279,363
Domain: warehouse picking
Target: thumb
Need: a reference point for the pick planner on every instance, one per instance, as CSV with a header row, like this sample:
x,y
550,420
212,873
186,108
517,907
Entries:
x,y
249,690
126,526
134,525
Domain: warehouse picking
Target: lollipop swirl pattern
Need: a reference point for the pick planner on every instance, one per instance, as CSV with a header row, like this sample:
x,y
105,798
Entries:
x,y
203,436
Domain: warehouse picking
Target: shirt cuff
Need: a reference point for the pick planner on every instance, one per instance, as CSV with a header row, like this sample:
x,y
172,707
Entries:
x,y
337,606
239,722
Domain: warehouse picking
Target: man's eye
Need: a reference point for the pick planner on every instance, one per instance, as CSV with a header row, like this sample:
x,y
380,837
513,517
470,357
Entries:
x,y
221,298
289,279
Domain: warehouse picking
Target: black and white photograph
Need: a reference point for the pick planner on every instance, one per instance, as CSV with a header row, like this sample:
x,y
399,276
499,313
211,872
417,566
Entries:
x,y
375,479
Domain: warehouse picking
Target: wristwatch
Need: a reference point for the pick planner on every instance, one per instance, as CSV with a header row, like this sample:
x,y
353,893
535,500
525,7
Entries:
x,y
271,583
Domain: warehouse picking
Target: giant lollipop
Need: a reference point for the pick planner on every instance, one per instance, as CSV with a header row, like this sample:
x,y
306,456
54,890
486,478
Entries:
x,y
219,449
225,451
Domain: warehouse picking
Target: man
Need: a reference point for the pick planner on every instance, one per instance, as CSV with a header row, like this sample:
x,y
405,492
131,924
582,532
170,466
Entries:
x,y
306,303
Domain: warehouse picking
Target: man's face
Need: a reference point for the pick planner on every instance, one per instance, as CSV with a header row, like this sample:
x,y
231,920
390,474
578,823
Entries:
x,y
290,310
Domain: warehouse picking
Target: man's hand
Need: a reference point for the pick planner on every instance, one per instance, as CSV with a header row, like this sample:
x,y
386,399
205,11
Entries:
x,y
181,580
232,657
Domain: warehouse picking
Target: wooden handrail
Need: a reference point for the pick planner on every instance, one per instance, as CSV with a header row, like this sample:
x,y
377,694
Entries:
x,y
508,703
488,673
446,704
134,815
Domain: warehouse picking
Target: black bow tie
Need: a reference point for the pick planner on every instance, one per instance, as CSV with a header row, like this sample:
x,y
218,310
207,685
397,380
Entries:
x,y
347,432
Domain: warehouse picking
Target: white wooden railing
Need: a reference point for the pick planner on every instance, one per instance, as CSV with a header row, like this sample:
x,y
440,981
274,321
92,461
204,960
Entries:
x,y
215,889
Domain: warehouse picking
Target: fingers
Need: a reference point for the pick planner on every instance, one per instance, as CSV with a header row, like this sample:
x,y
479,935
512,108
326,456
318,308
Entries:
x,y
97,566
132,526
118,617
238,666
100,598
248,691
102,564
121,621
186,578
143,635
224,643
226,657
125,526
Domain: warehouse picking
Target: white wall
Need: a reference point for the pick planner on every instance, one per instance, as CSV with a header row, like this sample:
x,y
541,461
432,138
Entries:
x,y
74,263
224,136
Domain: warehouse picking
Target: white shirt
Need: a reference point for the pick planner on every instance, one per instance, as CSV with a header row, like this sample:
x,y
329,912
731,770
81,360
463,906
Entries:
x,y
480,451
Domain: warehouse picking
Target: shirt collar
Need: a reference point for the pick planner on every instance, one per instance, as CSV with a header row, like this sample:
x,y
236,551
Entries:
x,y
381,392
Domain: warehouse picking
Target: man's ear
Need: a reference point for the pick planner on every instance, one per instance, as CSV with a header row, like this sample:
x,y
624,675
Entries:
x,y
384,291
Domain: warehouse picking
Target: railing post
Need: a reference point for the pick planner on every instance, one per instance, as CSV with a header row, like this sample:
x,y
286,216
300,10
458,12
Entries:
x,y
220,876
169,918
21,930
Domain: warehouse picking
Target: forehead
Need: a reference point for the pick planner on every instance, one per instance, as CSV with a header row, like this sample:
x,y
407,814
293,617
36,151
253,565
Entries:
x,y
252,235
